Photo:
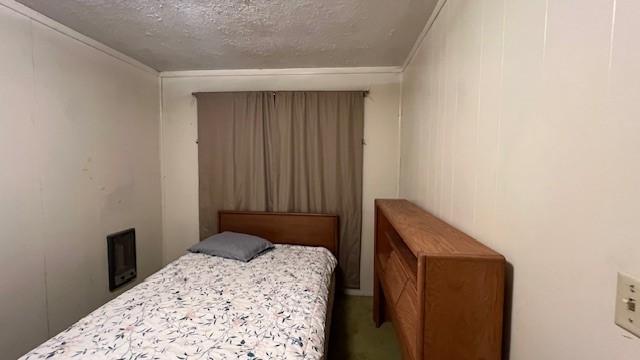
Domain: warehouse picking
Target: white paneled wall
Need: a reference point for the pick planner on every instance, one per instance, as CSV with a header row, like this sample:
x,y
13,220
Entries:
x,y
521,126
79,159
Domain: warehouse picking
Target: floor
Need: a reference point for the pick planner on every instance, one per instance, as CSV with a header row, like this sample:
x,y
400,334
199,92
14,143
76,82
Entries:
x,y
353,335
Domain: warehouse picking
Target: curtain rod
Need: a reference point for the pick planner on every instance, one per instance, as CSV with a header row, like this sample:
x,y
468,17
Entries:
x,y
364,92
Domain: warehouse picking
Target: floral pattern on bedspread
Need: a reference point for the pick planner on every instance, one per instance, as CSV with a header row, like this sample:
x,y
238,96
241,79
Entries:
x,y
205,307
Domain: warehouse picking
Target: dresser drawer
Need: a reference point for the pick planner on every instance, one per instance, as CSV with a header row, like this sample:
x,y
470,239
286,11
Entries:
x,y
406,311
394,278
442,290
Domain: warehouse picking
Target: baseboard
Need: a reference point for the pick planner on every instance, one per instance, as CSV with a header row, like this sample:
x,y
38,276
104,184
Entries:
x,y
356,292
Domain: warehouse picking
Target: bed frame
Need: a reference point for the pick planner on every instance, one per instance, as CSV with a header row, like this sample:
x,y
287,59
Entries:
x,y
284,228
293,229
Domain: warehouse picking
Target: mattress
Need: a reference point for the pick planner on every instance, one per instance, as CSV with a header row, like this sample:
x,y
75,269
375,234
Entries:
x,y
204,307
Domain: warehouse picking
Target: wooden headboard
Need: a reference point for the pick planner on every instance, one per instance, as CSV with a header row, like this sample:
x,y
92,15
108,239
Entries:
x,y
284,228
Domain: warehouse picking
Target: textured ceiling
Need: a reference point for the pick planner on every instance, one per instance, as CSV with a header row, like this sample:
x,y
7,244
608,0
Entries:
x,y
248,34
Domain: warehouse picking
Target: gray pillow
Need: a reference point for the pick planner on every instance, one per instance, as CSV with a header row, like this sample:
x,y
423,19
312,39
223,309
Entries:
x,y
232,245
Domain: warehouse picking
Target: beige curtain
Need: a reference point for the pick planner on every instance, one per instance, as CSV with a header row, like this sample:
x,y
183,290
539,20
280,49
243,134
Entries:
x,y
288,152
231,154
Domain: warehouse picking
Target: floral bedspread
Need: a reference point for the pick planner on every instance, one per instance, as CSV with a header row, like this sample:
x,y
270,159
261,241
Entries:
x,y
204,307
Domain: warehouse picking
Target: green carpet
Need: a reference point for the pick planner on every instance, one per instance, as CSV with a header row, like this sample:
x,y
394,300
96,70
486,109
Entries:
x,y
355,337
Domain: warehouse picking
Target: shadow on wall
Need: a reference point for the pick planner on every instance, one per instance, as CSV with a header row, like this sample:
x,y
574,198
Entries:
x,y
508,303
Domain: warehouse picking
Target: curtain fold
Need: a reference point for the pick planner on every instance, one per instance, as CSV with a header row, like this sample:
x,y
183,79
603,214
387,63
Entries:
x,y
289,151
231,156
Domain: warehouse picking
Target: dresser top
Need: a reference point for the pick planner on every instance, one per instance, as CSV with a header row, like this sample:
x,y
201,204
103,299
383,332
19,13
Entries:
x,y
425,234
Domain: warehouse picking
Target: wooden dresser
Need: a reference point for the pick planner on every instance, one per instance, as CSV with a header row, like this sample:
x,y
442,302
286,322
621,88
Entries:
x,y
442,290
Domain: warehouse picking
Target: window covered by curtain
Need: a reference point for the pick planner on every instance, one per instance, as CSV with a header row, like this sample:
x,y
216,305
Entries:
x,y
290,151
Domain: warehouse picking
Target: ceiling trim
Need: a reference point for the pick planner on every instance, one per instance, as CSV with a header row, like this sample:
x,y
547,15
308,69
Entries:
x,y
64,30
423,34
292,71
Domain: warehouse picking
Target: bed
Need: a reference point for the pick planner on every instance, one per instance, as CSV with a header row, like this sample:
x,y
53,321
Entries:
x,y
277,306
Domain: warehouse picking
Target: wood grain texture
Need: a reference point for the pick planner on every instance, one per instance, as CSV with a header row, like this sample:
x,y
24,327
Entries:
x,y
465,298
425,234
284,228
442,289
